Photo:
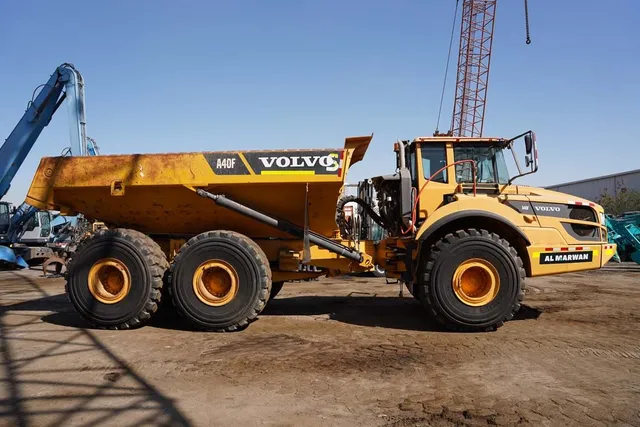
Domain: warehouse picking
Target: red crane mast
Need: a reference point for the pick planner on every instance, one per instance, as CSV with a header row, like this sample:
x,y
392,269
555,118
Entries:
x,y
474,59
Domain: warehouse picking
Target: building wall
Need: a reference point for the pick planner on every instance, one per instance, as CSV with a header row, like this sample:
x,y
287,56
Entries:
x,y
593,188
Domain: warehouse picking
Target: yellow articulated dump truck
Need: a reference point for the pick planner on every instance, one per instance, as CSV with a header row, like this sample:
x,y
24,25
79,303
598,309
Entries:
x,y
221,232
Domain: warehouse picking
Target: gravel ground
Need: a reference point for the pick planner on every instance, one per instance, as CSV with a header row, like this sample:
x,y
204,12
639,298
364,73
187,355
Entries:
x,y
342,352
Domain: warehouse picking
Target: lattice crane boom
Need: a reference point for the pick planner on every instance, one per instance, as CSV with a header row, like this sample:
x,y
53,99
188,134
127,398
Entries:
x,y
474,59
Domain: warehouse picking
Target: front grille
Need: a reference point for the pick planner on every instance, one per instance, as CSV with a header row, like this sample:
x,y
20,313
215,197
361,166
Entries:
x,y
582,232
585,230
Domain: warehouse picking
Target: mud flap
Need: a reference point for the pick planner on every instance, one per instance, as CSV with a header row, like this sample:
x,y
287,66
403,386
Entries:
x,y
10,259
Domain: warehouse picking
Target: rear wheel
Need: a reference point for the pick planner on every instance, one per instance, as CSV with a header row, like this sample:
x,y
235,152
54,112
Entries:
x,y
220,280
472,281
115,278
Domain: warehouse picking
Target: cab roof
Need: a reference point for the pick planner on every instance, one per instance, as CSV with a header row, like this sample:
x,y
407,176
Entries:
x,y
455,139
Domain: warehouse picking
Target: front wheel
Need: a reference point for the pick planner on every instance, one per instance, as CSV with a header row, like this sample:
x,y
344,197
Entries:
x,y
472,281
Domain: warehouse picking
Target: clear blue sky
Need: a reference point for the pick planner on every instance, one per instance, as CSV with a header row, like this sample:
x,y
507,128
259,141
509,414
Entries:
x,y
191,75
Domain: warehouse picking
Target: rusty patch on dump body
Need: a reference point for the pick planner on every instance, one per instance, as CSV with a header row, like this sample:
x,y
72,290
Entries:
x,y
154,192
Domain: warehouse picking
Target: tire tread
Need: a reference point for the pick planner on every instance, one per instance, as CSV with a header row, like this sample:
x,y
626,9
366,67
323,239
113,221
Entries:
x,y
154,259
264,275
435,253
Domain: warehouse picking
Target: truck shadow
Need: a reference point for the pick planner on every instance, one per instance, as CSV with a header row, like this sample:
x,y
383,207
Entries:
x,y
356,308
98,387
373,311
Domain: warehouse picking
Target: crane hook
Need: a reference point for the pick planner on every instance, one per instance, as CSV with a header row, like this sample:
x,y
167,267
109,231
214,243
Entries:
x,y
526,21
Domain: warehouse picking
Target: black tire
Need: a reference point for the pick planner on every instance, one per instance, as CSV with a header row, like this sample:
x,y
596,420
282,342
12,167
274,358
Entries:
x,y
415,292
437,293
146,264
276,287
250,264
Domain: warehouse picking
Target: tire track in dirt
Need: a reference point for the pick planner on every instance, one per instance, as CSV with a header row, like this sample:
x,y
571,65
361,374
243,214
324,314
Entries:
x,y
565,411
570,360
296,353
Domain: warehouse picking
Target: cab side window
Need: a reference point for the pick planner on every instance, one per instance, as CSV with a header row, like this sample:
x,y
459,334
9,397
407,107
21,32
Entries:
x,y
32,223
4,214
4,210
412,164
434,157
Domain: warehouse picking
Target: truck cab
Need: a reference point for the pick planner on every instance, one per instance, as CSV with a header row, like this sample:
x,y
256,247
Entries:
x,y
453,165
462,236
446,183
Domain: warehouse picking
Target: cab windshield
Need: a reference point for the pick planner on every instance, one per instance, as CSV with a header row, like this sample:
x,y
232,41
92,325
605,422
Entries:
x,y
490,161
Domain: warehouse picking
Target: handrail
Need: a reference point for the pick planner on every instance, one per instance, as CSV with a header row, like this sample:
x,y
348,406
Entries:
x,y
417,198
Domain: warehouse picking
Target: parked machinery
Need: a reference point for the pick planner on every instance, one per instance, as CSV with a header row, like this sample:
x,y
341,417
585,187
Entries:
x,y
219,229
624,231
24,243
24,232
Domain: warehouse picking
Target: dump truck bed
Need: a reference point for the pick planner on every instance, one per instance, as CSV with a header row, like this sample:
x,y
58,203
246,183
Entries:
x,y
154,193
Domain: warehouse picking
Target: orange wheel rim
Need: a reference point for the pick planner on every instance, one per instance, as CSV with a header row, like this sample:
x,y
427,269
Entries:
x,y
476,282
109,280
215,283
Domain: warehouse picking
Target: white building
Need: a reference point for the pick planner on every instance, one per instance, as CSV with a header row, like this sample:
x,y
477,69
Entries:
x,y
594,188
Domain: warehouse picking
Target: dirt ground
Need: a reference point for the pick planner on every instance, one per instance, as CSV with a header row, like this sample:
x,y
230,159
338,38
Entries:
x,y
331,352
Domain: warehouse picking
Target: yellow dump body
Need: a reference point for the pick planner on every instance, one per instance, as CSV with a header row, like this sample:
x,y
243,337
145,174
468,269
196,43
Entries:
x,y
153,193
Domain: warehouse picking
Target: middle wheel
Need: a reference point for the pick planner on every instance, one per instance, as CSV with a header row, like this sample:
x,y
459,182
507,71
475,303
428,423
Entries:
x,y
220,280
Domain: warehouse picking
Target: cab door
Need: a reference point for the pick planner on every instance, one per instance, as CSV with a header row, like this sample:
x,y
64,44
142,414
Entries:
x,y
431,157
31,230
4,218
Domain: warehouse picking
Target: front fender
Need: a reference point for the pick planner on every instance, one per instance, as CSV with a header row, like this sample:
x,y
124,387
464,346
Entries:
x,y
477,207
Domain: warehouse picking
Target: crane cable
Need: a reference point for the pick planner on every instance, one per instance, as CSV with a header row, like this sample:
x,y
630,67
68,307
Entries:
x,y
446,70
526,21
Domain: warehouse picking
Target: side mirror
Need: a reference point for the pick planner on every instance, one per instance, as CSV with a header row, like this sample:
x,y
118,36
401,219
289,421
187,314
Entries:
x,y
530,157
528,143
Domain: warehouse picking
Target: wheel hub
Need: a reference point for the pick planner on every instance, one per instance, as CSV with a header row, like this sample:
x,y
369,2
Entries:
x,y
109,280
215,283
476,282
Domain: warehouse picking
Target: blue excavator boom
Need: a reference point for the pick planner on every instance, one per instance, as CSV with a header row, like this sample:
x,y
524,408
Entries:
x,y
65,83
